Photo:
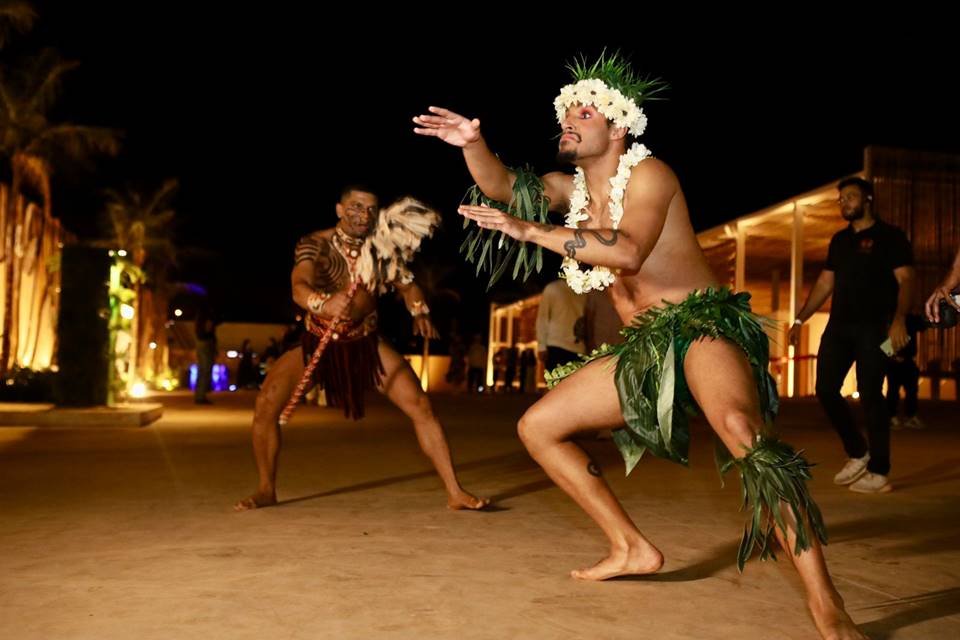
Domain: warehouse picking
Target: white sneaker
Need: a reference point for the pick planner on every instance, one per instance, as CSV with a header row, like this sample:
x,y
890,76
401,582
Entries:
x,y
896,424
914,423
871,483
851,471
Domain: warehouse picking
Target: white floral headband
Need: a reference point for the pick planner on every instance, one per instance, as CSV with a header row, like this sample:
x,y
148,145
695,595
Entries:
x,y
613,105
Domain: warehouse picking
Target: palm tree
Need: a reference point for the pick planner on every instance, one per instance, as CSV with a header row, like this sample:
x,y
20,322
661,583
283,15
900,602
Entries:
x,y
31,144
140,224
15,15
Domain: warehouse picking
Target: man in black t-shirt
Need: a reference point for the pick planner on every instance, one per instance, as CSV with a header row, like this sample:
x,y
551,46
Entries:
x,y
869,272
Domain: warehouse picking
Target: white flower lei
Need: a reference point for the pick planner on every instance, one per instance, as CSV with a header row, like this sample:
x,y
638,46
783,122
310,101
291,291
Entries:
x,y
598,278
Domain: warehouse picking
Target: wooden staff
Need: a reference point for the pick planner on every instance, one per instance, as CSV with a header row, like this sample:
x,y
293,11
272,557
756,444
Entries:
x,y
294,400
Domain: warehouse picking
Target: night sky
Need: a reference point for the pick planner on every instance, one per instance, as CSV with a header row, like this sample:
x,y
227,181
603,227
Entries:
x,y
263,113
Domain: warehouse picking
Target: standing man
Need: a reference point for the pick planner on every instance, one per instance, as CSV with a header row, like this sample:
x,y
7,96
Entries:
x,y
869,274
559,325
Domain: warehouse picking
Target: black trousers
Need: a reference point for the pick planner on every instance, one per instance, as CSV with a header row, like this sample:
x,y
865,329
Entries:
x,y
840,347
902,374
475,379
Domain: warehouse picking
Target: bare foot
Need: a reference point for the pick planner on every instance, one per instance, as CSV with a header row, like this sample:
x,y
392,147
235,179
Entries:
x,y
639,559
463,500
833,622
256,501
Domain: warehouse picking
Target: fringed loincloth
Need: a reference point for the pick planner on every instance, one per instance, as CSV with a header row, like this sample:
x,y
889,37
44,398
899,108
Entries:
x,y
350,365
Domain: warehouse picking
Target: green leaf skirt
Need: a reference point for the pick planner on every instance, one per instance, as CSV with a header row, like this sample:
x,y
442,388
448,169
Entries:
x,y
656,405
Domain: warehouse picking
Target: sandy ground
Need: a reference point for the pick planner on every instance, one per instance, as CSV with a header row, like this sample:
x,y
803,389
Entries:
x,y
128,533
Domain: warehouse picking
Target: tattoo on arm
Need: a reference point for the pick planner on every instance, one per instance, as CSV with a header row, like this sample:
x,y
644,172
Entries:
x,y
329,267
571,246
307,249
579,242
593,469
